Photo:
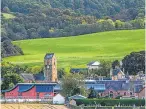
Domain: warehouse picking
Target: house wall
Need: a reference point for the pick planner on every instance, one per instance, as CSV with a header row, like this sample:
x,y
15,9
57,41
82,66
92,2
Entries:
x,y
141,94
54,69
42,94
30,93
117,93
93,67
58,99
51,72
12,94
107,92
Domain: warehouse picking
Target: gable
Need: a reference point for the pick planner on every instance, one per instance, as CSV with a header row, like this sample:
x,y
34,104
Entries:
x,y
94,63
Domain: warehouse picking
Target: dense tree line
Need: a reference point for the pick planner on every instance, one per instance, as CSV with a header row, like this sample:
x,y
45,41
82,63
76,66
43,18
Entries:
x,y
116,9
54,18
134,63
57,18
58,23
8,49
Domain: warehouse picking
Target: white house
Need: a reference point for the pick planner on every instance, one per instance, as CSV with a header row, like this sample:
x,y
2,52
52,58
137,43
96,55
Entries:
x,y
93,65
58,99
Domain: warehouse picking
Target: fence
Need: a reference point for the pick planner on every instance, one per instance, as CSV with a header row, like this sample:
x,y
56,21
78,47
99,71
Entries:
x,y
25,100
104,107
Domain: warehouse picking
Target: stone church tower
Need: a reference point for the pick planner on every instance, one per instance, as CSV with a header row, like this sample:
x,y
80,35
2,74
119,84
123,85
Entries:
x,y
50,67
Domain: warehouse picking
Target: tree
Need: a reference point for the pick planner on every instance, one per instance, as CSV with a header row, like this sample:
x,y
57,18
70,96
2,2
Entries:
x,y
11,79
93,93
115,63
138,23
60,73
73,84
6,9
36,69
134,62
119,24
104,68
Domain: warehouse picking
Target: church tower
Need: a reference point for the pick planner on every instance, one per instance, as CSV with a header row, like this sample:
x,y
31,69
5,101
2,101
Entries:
x,y
50,67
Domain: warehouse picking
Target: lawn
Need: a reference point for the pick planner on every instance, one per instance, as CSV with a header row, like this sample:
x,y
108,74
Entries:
x,y
77,51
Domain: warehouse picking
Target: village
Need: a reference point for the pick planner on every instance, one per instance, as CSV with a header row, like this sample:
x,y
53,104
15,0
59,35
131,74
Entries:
x,y
47,87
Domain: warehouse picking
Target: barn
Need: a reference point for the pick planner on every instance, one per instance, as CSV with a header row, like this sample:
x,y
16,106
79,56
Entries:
x,y
58,99
30,91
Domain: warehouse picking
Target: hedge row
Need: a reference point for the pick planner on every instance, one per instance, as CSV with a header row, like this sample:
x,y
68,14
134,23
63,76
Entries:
x,y
111,102
106,107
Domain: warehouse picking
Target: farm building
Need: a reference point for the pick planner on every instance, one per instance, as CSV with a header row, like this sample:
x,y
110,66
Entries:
x,y
31,91
93,65
117,74
58,99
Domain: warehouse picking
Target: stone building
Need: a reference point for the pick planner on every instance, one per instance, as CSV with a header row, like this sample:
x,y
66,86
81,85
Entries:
x,y
50,67
117,73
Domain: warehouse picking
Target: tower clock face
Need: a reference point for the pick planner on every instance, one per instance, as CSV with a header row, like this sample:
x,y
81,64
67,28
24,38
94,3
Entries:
x,y
47,66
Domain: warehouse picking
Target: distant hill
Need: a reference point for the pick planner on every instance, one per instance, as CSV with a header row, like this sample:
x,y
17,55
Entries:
x,y
32,19
117,9
78,51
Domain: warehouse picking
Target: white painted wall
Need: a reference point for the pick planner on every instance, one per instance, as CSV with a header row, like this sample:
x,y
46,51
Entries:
x,y
93,67
58,99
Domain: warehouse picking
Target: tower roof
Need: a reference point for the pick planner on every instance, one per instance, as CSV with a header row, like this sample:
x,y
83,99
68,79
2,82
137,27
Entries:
x,y
49,55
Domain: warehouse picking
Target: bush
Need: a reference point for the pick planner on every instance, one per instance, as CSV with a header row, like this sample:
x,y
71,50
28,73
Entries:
x,y
113,102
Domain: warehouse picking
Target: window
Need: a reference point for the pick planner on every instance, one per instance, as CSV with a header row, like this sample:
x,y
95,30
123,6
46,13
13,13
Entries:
x,y
38,95
130,93
118,93
111,94
124,93
20,94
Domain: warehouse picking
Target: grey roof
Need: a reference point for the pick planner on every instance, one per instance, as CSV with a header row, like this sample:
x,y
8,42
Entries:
x,y
39,77
49,55
57,87
90,63
77,97
77,70
138,88
27,76
125,86
96,87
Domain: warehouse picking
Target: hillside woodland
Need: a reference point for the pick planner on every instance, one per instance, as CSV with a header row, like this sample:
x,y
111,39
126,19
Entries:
x,y
30,19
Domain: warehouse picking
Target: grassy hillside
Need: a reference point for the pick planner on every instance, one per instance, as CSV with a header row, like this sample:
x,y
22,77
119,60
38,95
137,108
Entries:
x,y
78,51
8,16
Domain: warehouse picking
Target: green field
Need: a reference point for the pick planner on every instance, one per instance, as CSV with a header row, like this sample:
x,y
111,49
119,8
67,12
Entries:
x,y
8,16
77,51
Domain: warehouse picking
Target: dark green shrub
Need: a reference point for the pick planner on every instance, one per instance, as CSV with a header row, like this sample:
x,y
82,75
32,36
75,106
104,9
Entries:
x,y
111,102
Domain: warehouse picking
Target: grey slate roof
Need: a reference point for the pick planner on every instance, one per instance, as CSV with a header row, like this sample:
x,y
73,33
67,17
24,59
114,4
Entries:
x,y
77,97
39,77
49,55
116,71
90,63
27,76
77,70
